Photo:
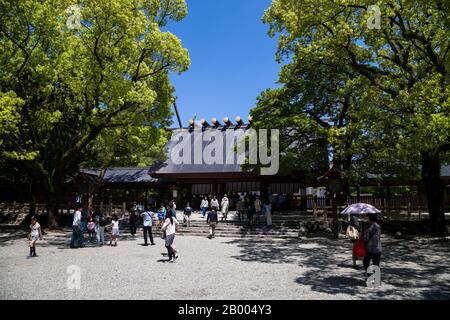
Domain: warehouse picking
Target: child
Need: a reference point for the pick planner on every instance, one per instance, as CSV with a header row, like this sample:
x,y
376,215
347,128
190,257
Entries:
x,y
34,235
114,230
161,216
91,229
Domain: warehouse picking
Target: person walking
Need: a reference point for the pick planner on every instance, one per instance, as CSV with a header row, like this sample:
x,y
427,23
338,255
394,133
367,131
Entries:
x,y
225,204
353,232
258,208
114,230
372,239
170,227
240,207
187,214
173,210
75,240
215,203
147,221
204,206
212,221
34,235
161,215
267,208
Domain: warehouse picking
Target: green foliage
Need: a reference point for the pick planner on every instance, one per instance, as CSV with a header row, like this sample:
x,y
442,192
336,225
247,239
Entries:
x,y
67,92
405,61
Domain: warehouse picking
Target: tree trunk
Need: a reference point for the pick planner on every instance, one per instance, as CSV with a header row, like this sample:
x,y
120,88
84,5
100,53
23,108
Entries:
x,y
53,206
32,197
431,176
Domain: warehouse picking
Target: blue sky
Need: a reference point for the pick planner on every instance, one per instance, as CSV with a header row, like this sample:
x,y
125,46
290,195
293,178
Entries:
x,y
232,58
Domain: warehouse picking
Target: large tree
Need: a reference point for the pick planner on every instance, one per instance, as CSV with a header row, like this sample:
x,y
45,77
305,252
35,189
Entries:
x,y
404,58
69,82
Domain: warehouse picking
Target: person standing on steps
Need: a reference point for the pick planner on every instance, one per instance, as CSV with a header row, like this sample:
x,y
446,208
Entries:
x,y
258,207
147,221
34,235
170,226
173,210
114,230
187,214
212,220
250,209
267,208
204,206
76,225
225,204
240,208
215,203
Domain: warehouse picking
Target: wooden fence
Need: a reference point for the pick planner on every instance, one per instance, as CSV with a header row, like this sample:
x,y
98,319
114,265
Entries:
x,y
396,207
16,208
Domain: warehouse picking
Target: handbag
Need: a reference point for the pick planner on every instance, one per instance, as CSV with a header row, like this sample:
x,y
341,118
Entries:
x,y
163,235
359,248
352,233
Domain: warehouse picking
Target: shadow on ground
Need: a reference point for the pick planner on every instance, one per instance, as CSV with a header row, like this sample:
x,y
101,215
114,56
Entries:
x,y
409,269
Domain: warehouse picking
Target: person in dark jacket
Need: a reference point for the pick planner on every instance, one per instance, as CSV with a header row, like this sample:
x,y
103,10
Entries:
x,y
134,216
372,239
212,220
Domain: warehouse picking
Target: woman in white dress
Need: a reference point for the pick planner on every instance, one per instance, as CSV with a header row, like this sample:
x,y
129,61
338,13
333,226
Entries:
x,y
225,205
267,207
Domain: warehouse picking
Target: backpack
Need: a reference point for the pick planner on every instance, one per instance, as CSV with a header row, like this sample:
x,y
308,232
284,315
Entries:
x,y
103,222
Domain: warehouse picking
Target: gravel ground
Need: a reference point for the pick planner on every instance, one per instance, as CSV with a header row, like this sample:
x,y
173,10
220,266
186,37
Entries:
x,y
221,268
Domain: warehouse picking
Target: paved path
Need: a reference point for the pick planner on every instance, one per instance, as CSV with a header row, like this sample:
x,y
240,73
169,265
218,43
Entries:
x,y
221,268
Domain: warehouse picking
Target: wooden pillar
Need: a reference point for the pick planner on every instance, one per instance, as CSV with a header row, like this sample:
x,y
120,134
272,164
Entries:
x,y
314,205
264,190
388,199
215,188
110,203
408,209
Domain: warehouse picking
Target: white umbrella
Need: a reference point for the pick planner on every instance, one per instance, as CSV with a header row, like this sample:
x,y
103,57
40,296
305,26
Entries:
x,y
360,208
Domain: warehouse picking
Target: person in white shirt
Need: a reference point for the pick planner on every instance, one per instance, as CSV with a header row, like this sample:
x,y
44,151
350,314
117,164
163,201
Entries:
x,y
114,230
170,227
174,204
258,208
34,235
147,221
76,230
214,203
204,206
